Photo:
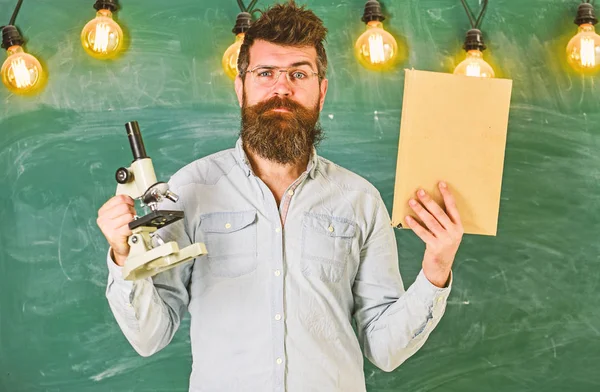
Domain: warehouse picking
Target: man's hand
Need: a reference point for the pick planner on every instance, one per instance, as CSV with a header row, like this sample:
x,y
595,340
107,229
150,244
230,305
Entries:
x,y
113,219
442,235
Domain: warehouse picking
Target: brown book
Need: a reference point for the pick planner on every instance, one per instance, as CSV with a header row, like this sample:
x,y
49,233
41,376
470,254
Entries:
x,y
453,128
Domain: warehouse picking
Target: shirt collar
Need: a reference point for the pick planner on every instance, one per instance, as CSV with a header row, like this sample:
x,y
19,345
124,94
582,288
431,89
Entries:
x,y
242,159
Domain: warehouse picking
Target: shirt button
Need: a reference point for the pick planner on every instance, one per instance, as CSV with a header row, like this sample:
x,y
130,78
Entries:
x,y
277,272
277,317
279,361
290,192
330,228
228,225
277,230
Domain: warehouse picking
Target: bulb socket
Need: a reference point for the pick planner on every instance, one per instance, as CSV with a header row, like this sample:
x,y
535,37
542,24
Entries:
x,y
474,40
585,14
11,37
242,23
111,5
372,12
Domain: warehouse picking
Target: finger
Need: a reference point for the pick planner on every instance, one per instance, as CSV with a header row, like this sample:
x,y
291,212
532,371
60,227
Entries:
x,y
118,199
110,225
435,209
120,236
450,203
432,224
116,211
419,230
115,200
124,230
122,220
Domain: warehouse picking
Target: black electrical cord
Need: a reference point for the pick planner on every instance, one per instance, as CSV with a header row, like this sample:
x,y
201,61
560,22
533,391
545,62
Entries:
x,y
248,9
15,12
475,23
251,6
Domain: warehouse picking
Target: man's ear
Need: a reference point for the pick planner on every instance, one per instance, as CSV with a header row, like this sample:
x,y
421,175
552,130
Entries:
x,y
323,92
239,89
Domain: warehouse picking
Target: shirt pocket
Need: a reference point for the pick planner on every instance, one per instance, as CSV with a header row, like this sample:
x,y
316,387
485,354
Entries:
x,y
230,239
326,244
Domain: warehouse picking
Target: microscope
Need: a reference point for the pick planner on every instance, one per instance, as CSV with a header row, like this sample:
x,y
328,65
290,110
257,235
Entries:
x,y
149,254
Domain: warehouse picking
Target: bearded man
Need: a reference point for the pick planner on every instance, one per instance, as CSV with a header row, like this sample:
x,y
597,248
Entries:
x,y
298,247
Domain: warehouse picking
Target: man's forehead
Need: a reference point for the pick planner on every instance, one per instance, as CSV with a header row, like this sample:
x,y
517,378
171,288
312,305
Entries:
x,y
267,53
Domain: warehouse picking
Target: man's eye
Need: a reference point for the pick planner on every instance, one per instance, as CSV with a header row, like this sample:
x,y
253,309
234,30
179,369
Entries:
x,y
265,74
298,75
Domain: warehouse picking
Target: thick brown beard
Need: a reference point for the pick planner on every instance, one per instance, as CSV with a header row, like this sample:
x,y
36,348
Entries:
x,y
286,138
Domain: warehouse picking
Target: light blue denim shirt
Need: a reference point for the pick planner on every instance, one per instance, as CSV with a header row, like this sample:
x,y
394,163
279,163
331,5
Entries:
x,y
271,304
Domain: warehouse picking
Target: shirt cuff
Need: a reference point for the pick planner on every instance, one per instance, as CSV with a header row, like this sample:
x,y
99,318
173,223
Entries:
x,y
116,272
432,295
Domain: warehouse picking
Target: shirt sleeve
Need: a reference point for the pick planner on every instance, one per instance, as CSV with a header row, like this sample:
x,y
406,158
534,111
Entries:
x,y
149,311
392,323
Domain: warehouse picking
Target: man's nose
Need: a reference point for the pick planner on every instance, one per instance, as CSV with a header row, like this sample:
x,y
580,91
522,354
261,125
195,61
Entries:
x,y
283,86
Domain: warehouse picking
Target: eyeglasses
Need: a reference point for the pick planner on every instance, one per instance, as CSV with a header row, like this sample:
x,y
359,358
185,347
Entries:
x,y
267,76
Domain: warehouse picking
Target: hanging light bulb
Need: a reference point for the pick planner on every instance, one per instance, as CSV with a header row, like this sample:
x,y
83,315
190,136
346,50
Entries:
x,y
230,58
102,37
474,64
21,72
583,50
375,49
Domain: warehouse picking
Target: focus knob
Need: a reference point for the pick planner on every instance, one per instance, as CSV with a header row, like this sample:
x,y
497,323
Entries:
x,y
123,176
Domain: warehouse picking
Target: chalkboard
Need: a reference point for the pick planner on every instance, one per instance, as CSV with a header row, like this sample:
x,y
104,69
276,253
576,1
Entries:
x,y
523,314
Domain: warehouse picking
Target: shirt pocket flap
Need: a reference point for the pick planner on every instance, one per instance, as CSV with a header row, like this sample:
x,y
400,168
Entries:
x,y
330,225
226,222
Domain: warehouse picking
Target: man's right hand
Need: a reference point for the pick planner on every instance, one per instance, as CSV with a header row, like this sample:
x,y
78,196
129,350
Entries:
x,y
113,219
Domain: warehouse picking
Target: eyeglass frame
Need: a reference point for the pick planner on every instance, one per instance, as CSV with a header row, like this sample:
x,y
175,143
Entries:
x,y
279,71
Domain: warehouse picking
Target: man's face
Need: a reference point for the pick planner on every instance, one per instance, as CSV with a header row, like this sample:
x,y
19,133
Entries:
x,y
279,120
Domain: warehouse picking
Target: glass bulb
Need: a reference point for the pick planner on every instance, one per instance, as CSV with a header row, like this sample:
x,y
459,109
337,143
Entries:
x,y
474,65
583,50
102,37
376,49
230,57
21,72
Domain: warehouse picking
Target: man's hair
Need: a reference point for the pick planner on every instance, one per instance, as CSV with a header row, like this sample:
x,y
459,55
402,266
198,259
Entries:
x,y
286,25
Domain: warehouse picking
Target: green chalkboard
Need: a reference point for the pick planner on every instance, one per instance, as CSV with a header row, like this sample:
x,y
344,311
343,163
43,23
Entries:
x,y
523,315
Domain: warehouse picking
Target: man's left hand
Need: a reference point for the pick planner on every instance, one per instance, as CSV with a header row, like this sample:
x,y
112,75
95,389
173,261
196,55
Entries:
x,y
442,234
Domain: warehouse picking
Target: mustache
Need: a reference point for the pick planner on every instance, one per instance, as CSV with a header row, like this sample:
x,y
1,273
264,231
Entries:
x,y
277,103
